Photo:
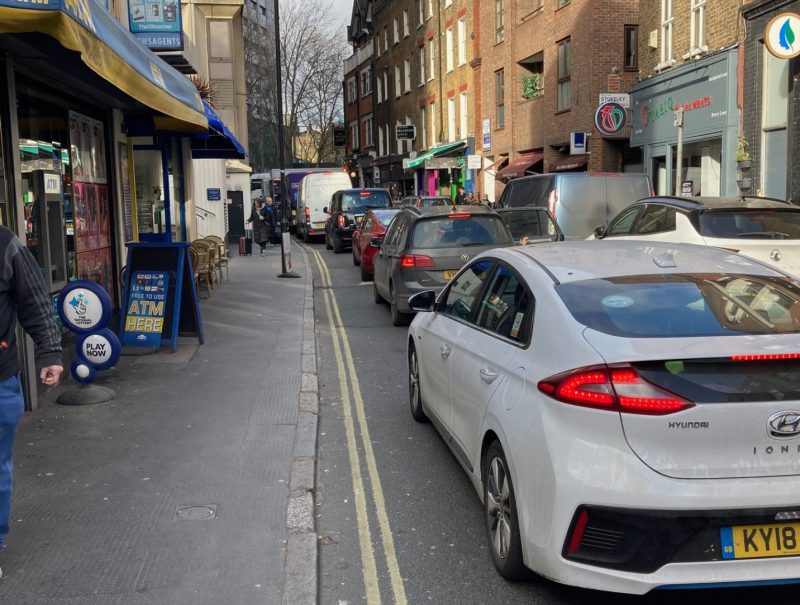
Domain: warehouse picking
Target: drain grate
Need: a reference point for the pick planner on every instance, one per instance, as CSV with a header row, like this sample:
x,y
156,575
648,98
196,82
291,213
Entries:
x,y
195,512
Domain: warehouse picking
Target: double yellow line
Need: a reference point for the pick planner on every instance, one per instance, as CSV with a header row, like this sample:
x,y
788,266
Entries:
x,y
352,402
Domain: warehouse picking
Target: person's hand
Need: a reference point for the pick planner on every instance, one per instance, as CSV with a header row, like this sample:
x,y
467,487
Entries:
x,y
51,374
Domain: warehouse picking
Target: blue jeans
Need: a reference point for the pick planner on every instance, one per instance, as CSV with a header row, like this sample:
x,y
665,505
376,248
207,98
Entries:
x,y
11,407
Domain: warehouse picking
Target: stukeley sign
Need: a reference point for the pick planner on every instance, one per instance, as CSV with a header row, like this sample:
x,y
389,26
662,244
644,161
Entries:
x,y
705,90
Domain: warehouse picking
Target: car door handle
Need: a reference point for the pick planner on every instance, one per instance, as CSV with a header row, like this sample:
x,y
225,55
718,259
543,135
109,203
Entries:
x,y
445,351
488,375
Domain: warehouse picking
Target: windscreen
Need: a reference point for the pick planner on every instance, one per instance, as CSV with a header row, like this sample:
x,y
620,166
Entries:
x,y
463,230
360,200
655,306
528,192
751,224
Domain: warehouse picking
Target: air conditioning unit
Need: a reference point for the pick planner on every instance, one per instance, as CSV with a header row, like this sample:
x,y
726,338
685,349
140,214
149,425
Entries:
x,y
653,41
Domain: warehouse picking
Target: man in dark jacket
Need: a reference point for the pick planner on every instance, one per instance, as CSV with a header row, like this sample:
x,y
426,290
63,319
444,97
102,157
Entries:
x,y
23,298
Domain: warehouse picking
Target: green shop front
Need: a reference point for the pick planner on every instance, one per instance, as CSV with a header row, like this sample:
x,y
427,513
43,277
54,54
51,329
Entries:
x,y
706,91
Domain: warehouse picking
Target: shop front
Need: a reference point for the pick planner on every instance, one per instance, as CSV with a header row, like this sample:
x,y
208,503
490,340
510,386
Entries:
x,y
71,79
440,170
706,91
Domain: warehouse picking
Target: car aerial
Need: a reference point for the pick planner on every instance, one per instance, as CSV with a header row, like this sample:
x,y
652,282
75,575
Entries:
x,y
761,228
426,200
424,247
627,411
346,211
531,225
367,238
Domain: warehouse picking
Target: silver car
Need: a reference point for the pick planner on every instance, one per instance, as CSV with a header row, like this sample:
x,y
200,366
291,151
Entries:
x,y
425,247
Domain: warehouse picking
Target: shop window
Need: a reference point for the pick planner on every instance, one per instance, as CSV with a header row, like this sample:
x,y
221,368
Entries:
x,y
564,75
632,47
774,122
499,21
500,97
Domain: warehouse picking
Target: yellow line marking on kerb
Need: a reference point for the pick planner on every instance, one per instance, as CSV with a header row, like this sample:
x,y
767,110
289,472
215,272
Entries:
x,y
337,328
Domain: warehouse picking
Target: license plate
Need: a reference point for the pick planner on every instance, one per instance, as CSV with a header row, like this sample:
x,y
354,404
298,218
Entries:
x,y
358,218
752,541
448,275
319,225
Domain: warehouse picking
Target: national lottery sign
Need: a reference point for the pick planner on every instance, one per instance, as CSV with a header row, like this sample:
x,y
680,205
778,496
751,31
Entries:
x,y
610,118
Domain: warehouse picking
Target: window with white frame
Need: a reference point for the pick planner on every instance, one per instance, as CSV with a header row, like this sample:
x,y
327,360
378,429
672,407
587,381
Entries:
x,y
697,30
385,85
463,109
451,119
366,82
352,90
462,41
421,65
396,29
378,46
432,109
500,97
379,90
424,135
430,9
431,60
407,73
499,21
398,81
448,46
353,135
368,125
381,143
666,32
421,9
406,26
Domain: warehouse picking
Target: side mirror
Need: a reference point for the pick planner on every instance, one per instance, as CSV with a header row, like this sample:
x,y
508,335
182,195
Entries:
x,y
375,242
422,302
325,210
599,232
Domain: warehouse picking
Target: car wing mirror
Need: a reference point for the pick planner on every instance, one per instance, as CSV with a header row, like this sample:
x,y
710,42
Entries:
x,y
325,210
423,302
600,232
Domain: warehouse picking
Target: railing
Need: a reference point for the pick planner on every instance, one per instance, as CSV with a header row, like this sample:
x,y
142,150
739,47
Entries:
x,y
358,57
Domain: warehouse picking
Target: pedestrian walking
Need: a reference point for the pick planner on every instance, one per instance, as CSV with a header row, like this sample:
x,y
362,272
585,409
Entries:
x,y
23,298
471,199
269,214
260,228
460,197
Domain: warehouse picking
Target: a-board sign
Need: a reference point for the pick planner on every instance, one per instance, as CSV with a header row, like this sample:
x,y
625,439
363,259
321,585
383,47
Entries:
x,y
180,313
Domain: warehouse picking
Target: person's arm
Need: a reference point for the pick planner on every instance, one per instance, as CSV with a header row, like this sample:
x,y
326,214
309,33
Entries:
x,y
35,312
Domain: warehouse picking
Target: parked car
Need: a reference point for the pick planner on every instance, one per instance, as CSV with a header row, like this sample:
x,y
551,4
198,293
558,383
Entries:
x,y
531,225
578,200
426,200
622,421
314,194
424,247
761,228
346,211
368,237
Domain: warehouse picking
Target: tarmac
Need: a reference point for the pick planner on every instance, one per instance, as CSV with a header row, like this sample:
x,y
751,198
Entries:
x,y
196,483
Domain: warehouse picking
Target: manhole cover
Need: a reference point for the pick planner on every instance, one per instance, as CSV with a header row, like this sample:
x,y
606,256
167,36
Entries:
x,y
197,512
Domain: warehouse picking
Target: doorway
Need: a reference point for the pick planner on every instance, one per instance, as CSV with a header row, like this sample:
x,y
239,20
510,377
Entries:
x,y
235,216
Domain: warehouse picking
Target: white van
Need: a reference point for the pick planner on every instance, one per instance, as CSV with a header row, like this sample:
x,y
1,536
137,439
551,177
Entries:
x,y
313,196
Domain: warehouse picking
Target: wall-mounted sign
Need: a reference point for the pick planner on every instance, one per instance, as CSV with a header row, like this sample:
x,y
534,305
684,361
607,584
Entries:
x,y
623,98
577,143
487,133
444,163
405,132
474,162
157,23
687,188
213,194
782,36
610,118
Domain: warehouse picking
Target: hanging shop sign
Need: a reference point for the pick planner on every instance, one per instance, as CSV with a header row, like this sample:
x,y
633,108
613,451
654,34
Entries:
x,y
782,36
405,132
487,133
474,162
610,118
157,23
623,98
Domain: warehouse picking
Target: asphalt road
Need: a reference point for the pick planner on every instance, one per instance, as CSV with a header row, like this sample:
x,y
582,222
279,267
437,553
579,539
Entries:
x,y
434,540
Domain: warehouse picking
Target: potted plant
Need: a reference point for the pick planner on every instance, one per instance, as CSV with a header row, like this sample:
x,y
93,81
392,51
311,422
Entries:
x,y
532,86
742,155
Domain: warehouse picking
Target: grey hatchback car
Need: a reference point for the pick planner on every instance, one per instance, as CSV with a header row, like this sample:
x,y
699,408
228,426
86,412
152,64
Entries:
x,y
425,247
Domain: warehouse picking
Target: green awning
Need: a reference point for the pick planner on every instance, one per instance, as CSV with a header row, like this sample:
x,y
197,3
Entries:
x,y
432,153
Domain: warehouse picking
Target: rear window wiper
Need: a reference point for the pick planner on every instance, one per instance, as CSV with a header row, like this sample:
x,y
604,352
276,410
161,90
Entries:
x,y
765,234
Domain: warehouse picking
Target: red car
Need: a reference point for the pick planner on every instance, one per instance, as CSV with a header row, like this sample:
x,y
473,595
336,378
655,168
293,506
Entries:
x,y
368,237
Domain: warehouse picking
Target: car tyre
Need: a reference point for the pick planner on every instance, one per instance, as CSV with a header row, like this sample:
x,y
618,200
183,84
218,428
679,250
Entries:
x,y
306,237
376,296
414,393
365,275
500,515
356,262
337,244
328,242
398,318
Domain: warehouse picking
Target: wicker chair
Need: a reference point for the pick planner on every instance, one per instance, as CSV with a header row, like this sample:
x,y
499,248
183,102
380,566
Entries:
x,y
212,256
202,272
223,255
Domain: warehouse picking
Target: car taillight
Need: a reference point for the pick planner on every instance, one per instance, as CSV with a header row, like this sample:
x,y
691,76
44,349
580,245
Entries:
x,y
308,214
618,389
409,261
341,221
552,201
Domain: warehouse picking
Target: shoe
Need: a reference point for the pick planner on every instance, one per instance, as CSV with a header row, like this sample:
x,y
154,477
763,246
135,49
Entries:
x,y
262,253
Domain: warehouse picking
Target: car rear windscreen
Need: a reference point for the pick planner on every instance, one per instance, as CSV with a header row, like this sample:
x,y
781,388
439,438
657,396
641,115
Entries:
x,y
471,230
436,201
361,200
751,224
529,192
531,222
679,305
385,216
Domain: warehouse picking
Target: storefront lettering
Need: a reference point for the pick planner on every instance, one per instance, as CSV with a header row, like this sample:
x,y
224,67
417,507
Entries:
x,y
668,106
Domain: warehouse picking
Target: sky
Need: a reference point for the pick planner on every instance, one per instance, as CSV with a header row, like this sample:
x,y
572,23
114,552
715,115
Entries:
x,y
340,11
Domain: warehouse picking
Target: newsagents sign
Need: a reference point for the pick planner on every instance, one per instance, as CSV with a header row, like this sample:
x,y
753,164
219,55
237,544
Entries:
x,y
704,91
157,23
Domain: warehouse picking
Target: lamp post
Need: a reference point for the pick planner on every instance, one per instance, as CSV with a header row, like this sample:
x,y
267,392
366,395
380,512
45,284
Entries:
x,y
286,207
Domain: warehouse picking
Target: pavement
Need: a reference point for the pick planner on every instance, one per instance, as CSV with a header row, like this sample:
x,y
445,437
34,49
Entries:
x,y
196,483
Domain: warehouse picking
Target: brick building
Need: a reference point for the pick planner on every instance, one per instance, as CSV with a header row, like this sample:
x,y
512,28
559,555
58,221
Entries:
x,y
542,66
689,59
358,97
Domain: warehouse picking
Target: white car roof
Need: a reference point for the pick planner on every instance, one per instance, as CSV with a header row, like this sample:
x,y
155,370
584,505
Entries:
x,y
579,260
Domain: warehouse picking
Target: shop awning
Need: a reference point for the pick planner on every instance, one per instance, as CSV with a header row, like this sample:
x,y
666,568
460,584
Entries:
x,y
573,162
219,143
112,52
498,164
520,165
432,153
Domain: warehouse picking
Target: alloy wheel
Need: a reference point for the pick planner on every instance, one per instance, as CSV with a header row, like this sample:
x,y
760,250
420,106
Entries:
x,y
499,507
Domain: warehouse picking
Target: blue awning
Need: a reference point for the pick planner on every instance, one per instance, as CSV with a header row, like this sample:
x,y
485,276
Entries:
x,y
113,53
219,143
